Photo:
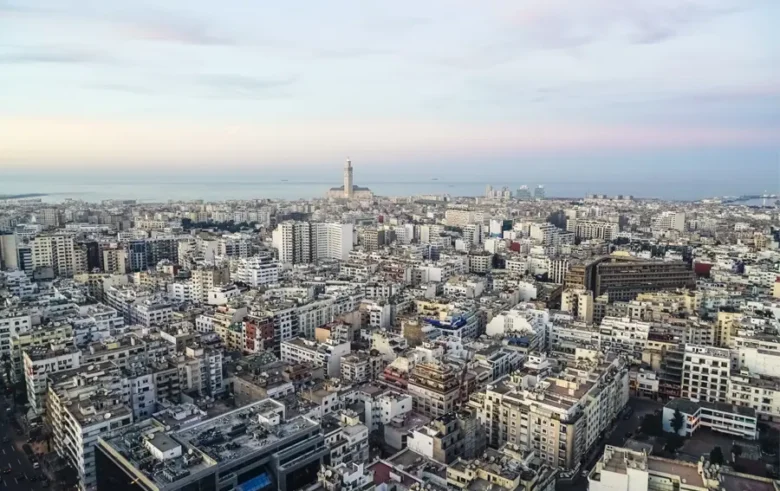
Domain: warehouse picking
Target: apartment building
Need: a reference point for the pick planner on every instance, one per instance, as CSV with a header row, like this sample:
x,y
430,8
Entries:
x,y
758,353
152,311
42,361
560,416
12,323
435,388
114,260
624,336
204,278
458,218
579,303
54,251
361,367
38,336
79,422
346,437
592,229
505,469
327,354
706,373
305,242
258,270
622,469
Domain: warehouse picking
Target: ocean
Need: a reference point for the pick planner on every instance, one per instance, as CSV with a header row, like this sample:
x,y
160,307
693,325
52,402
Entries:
x,y
216,188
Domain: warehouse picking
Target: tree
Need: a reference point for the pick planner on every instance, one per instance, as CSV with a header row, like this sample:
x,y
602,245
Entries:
x,y
651,425
677,421
736,451
716,456
673,443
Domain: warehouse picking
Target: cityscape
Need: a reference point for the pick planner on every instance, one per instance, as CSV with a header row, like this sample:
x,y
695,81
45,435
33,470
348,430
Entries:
x,y
418,245
509,341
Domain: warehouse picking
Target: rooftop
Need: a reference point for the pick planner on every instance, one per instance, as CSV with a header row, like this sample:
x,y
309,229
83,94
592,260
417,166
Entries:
x,y
241,431
131,444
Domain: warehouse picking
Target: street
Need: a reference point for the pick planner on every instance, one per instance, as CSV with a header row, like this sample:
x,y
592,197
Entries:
x,y
618,436
13,457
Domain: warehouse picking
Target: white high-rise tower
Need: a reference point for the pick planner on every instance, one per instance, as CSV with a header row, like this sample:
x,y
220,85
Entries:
x,y
348,179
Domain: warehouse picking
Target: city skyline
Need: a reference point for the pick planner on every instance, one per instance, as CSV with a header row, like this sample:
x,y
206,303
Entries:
x,y
300,86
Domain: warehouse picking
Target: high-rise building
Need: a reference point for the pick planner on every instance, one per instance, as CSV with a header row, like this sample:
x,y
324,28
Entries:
x,y
9,258
539,192
348,179
523,193
670,220
54,251
304,242
623,277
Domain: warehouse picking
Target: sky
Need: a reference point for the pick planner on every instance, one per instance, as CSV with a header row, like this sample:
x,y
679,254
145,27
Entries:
x,y
638,87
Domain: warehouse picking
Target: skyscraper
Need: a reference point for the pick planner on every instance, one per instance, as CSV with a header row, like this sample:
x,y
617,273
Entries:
x,y
539,192
348,179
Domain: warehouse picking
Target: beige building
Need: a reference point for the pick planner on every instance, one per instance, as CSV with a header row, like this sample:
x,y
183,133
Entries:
x,y
435,388
559,417
579,303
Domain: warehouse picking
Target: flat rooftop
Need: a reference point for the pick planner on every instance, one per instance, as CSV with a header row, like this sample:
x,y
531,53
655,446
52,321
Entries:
x,y
240,432
131,445
686,471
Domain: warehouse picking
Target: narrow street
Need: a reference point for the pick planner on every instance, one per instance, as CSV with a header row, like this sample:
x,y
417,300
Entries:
x,y
619,435
16,471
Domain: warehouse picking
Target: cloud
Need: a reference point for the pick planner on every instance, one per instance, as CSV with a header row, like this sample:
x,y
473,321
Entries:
x,y
122,87
523,27
50,55
244,87
556,24
171,29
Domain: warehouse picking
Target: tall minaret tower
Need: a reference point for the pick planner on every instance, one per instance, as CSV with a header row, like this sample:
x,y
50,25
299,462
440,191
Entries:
x,y
348,179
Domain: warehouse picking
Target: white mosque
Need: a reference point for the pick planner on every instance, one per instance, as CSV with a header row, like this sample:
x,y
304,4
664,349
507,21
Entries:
x,y
349,190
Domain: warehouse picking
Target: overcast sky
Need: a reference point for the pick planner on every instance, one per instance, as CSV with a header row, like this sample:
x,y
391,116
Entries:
x,y
194,83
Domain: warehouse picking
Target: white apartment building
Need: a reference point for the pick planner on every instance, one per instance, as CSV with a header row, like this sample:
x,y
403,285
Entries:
x,y
592,229
42,361
312,315
13,322
670,220
79,423
480,262
327,354
257,271
304,242
706,373
624,335
182,291
518,265
543,233
332,240
360,367
557,269
760,354
151,312
223,294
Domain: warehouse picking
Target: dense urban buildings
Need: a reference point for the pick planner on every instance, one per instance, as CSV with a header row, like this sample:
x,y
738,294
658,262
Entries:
x,y
359,342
